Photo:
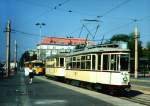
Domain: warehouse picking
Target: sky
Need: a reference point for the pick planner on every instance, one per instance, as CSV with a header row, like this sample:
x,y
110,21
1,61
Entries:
x,y
65,18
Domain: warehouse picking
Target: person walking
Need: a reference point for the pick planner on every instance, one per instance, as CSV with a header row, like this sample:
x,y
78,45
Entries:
x,y
31,75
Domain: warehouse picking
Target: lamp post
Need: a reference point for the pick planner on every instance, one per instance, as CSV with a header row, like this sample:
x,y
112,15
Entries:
x,y
40,26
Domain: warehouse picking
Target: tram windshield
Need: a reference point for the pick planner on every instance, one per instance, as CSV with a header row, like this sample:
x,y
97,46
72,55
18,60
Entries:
x,y
38,64
124,62
115,62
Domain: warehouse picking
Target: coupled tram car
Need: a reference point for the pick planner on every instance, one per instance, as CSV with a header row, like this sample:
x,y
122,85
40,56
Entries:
x,y
104,67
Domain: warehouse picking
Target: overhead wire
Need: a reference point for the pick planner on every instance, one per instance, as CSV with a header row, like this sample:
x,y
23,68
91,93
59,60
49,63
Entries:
x,y
50,9
22,32
115,7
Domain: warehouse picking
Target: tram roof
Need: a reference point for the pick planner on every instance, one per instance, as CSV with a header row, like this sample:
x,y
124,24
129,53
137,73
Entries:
x,y
98,49
57,55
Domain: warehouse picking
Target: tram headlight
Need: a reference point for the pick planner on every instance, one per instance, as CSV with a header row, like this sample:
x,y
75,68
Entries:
x,y
125,77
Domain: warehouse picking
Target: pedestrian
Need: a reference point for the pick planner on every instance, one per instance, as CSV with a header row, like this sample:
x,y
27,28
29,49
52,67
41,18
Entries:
x,y
31,74
26,72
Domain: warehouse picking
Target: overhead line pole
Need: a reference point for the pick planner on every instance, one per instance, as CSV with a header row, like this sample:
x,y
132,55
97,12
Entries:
x,y
15,55
136,53
8,30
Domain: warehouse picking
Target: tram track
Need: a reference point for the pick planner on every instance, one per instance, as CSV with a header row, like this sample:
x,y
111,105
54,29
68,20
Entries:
x,y
137,100
141,99
138,97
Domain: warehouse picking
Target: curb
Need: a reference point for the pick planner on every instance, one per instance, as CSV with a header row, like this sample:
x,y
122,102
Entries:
x,y
139,80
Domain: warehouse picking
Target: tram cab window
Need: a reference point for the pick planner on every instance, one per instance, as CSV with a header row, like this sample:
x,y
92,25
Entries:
x,y
124,62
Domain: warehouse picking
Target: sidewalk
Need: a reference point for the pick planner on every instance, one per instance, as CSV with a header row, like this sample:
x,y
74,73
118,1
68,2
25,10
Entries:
x,y
12,91
141,79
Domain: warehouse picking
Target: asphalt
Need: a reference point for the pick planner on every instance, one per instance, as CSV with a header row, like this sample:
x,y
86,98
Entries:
x,y
141,84
43,92
15,91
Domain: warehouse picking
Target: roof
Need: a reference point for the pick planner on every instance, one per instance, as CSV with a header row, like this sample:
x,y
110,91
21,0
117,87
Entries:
x,y
65,41
98,49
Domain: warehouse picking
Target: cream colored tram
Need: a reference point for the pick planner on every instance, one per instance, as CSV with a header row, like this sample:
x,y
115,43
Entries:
x,y
55,66
105,66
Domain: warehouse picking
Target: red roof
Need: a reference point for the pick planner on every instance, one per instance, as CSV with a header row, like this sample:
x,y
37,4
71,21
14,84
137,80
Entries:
x,y
65,41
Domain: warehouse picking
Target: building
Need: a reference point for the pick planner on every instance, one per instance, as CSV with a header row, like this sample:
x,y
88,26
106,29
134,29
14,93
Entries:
x,y
52,45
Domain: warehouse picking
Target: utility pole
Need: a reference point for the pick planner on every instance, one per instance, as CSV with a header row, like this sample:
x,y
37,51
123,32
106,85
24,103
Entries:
x,y
15,55
8,30
136,53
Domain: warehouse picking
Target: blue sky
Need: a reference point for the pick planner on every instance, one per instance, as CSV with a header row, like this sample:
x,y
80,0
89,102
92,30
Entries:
x,y
115,17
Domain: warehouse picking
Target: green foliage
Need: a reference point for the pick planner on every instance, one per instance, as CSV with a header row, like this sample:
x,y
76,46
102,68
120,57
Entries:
x,y
26,57
148,45
146,51
130,40
120,37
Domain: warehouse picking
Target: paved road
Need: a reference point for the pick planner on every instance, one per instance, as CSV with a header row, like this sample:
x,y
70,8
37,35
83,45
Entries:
x,y
43,92
14,92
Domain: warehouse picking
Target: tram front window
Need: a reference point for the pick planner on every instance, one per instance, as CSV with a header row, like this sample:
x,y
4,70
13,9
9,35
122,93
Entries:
x,y
38,65
124,62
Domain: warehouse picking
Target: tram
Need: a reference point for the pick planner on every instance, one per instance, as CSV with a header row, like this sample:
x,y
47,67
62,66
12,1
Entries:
x,y
38,67
103,66
55,66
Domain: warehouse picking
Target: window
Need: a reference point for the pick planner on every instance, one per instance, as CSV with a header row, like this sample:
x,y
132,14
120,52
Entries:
x,y
113,62
93,62
124,62
61,62
83,65
57,62
88,64
105,62
99,62
78,62
82,57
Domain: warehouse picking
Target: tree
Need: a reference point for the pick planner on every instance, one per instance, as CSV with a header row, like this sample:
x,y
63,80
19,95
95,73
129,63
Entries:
x,y
148,45
146,51
130,40
120,37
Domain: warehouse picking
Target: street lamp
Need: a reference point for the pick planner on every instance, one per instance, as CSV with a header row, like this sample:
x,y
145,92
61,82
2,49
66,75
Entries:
x,y
40,26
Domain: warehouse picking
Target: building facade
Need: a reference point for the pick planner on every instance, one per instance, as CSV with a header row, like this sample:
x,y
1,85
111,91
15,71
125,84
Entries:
x,y
52,45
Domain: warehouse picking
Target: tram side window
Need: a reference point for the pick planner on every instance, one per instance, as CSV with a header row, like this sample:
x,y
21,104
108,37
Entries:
x,y
88,62
93,62
57,62
82,62
105,62
99,62
74,62
78,62
61,62
83,65
68,63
